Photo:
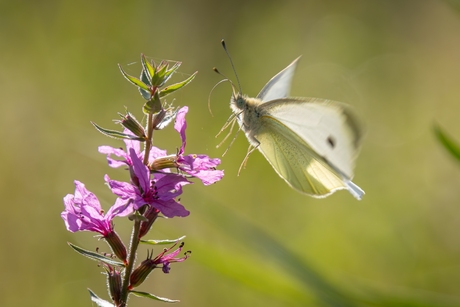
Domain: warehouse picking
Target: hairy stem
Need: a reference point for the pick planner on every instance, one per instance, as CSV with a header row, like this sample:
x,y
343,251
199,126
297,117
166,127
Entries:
x,y
131,259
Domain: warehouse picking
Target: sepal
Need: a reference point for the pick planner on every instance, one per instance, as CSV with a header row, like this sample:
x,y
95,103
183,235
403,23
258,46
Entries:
x,y
116,245
154,297
162,242
99,301
116,134
96,256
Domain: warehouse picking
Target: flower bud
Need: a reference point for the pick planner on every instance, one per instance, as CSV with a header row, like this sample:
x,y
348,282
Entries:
x,y
141,272
117,246
163,162
158,118
130,122
114,284
151,216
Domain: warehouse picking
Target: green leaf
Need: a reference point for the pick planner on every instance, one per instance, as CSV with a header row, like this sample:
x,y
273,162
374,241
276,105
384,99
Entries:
x,y
116,134
145,94
99,301
172,88
161,242
153,105
96,256
134,80
170,72
154,297
447,141
148,69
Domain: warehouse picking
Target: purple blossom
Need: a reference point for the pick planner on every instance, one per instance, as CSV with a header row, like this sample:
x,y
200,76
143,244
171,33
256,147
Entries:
x,y
130,144
200,166
166,260
159,193
83,211
147,266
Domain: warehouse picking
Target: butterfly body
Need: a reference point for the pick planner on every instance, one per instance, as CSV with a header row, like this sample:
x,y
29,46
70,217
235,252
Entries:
x,y
311,143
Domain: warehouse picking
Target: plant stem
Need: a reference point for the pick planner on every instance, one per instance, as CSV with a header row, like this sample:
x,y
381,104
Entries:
x,y
131,259
148,142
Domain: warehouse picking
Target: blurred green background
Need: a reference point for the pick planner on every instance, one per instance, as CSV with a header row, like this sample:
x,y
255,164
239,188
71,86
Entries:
x,y
254,240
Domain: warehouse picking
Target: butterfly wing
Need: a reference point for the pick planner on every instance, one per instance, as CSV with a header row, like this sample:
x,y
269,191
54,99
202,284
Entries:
x,y
279,86
311,143
328,127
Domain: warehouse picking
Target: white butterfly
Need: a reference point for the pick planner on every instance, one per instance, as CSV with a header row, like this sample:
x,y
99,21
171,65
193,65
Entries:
x,y
311,143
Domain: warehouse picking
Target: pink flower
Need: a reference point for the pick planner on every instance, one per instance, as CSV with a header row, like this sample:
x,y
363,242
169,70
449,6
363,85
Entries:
x,y
83,211
200,166
159,193
146,267
166,260
130,144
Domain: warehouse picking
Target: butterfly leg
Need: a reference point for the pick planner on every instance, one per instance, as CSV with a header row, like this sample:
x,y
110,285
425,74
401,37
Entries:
x,y
245,161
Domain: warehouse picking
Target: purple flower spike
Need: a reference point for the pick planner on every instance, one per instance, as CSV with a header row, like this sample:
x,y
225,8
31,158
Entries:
x,y
159,193
200,166
83,211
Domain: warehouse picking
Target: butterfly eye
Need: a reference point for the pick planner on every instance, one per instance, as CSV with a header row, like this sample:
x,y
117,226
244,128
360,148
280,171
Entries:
x,y
240,103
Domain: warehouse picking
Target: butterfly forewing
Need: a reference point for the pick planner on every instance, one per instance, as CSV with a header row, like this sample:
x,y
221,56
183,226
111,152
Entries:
x,y
279,86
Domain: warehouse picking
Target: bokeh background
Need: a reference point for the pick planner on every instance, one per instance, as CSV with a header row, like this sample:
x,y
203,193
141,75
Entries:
x,y
254,240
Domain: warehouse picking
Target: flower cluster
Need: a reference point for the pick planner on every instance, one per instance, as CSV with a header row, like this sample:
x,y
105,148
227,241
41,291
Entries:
x,y
156,180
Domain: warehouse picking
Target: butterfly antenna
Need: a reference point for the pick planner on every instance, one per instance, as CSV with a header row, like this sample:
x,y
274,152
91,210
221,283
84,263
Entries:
x,y
212,90
231,62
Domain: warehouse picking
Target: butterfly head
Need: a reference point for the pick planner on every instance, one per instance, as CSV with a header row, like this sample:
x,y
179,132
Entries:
x,y
238,101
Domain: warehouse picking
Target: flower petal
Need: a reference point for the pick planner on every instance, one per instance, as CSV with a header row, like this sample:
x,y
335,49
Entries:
x,y
122,189
180,125
170,208
117,152
141,171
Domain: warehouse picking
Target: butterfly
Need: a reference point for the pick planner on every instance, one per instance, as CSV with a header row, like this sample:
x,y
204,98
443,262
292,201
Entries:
x,y
311,143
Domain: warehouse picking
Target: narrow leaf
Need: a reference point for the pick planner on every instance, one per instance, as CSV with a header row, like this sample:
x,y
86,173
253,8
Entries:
x,y
116,134
148,69
170,72
172,88
447,141
154,297
96,256
134,80
145,94
99,301
161,242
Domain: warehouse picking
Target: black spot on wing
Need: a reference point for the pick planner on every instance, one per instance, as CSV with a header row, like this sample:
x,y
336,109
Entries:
x,y
331,141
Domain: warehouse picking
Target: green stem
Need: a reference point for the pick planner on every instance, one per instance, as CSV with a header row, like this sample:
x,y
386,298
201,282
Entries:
x,y
148,142
131,259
